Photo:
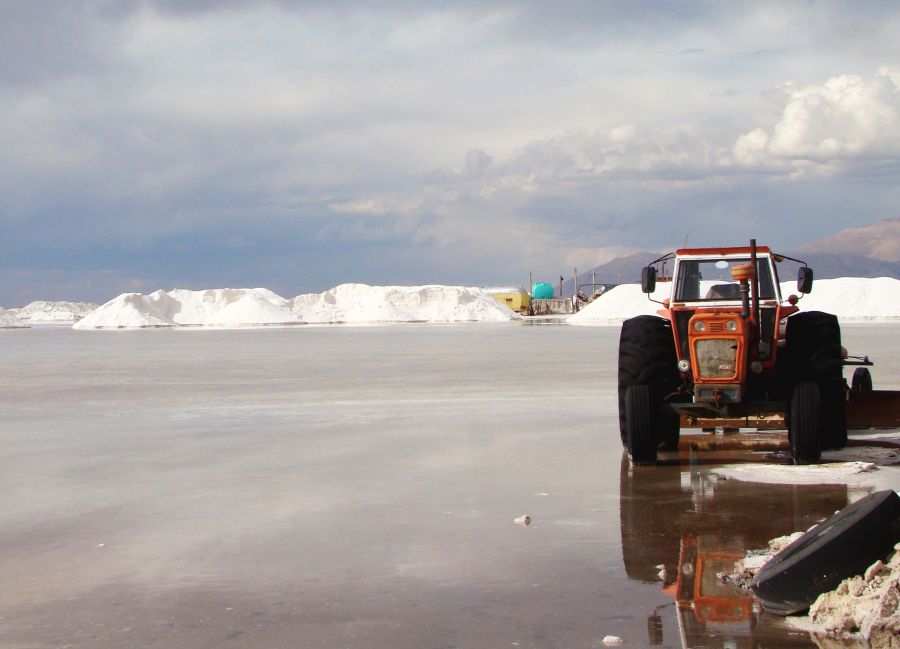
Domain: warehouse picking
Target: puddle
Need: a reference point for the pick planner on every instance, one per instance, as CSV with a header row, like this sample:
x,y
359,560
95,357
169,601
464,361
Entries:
x,y
358,488
681,527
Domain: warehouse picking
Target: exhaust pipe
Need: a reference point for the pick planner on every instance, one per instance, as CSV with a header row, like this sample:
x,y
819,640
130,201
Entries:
x,y
754,286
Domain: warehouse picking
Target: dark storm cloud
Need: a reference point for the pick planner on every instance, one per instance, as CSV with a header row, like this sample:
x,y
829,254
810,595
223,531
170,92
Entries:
x,y
41,40
299,144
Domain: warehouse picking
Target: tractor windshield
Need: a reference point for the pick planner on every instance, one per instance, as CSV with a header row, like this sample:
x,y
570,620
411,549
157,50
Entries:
x,y
709,280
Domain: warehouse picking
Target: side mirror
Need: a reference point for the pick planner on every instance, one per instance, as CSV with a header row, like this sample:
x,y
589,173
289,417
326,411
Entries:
x,y
805,279
648,279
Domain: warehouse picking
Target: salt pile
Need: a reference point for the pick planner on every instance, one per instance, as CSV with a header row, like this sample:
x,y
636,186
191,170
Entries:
x,y
852,298
8,320
223,307
348,303
43,312
226,307
849,298
360,303
620,303
127,311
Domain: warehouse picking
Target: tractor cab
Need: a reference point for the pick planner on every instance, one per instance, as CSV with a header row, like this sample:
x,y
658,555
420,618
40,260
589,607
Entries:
x,y
725,307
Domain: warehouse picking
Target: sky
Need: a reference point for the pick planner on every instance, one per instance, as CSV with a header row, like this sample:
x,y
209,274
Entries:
x,y
149,144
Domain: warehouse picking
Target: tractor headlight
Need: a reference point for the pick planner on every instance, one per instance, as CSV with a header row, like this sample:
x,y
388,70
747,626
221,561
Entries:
x,y
684,365
731,325
700,326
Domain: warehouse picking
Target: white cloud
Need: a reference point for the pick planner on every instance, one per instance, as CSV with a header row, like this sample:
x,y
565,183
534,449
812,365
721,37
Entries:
x,y
828,127
369,207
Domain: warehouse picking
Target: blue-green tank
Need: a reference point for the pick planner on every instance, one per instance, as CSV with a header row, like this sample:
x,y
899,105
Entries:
x,y
541,291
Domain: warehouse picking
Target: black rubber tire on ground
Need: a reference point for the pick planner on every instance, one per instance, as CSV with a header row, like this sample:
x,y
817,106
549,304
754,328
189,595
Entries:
x,y
862,380
804,428
814,354
839,547
647,357
639,434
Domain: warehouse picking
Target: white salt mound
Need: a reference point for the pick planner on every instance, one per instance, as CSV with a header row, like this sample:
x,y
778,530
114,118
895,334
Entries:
x,y
852,298
351,303
360,303
43,312
224,307
620,303
849,298
8,320
127,311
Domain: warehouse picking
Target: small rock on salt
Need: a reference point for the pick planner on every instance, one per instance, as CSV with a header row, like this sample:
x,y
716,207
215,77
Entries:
x,y
523,520
612,640
873,570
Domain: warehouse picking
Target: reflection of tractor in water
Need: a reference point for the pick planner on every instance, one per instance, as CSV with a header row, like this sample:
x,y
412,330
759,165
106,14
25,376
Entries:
x,y
729,352
698,586
685,529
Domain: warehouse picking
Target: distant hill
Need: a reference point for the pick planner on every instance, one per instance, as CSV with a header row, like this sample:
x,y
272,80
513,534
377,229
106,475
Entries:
x,y
873,251
832,265
880,241
618,271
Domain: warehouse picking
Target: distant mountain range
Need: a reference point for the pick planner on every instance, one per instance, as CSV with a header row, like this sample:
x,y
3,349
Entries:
x,y
873,251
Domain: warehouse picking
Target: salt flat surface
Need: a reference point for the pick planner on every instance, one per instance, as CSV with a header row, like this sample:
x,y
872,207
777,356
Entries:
x,y
855,472
849,298
347,303
317,482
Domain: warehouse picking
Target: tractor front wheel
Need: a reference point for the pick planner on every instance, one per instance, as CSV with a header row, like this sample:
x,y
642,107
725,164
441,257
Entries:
x,y
805,423
639,434
647,360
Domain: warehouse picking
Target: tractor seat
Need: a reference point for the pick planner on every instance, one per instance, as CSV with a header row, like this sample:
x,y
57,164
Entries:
x,y
724,292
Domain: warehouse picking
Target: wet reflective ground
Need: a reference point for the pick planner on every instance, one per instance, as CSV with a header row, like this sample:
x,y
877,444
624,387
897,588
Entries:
x,y
356,487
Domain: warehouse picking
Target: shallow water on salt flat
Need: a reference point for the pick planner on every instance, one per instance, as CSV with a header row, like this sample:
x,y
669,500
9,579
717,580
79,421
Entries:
x,y
356,487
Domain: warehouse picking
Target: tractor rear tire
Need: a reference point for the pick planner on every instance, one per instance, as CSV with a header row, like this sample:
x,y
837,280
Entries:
x,y
647,357
862,380
641,440
805,424
814,350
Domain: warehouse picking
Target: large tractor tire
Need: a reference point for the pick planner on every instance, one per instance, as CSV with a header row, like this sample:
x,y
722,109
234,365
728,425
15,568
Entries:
x,y
805,424
839,547
640,438
814,352
647,359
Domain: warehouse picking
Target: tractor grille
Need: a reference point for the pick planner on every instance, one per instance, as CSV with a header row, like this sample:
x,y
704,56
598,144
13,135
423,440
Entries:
x,y
716,358
716,327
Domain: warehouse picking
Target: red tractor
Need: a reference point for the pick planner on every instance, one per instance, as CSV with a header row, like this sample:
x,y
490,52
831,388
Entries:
x,y
727,349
